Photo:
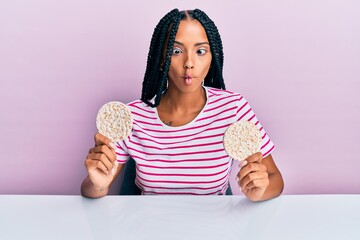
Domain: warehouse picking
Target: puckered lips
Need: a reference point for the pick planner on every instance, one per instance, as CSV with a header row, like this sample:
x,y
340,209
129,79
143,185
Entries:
x,y
187,79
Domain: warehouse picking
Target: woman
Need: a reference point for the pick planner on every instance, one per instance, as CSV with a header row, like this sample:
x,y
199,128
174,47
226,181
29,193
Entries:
x,y
179,123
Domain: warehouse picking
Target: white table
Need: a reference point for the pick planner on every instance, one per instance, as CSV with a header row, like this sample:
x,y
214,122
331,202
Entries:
x,y
179,217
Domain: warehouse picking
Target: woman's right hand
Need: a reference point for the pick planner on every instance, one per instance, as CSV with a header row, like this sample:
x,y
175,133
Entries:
x,y
101,163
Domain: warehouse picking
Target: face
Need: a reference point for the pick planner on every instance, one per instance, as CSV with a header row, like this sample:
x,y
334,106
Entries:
x,y
191,57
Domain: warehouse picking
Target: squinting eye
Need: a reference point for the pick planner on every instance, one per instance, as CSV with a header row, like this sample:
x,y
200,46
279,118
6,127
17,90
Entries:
x,y
201,51
176,51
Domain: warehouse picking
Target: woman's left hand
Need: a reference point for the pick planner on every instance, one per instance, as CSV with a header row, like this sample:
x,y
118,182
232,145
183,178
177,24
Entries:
x,y
253,177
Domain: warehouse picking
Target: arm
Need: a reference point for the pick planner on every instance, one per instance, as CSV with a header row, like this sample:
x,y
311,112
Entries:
x,y
102,168
260,179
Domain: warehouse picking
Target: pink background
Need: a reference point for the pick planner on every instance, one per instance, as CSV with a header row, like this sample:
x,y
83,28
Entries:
x,y
296,62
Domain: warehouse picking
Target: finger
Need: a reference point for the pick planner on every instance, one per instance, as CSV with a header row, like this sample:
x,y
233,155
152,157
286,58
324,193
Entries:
x,y
95,164
257,183
252,178
109,152
251,167
102,140
101,158
115,168
256,157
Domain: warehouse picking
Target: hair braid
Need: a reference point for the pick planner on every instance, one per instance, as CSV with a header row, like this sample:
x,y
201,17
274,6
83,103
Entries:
x,y
155,79
214,77
152,57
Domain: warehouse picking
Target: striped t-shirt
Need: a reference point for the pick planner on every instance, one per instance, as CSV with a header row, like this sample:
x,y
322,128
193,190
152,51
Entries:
x,y
188,159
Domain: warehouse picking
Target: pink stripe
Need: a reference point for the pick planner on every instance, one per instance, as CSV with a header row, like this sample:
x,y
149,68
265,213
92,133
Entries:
x,y
265,144
215,115
244,114
192,167
183,136
167,143
263,136
118,146
177,147
187,129
122,155
180,161
213,93
176,154
251,118
135,102
220,90
187,188
184,193
265,154
229,96
181,174
209,136
142,109
152,118
223,190
187,182
246,103
217,107
148,123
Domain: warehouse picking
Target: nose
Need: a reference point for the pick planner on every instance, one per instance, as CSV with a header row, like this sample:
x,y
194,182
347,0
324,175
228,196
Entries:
x,y
188,64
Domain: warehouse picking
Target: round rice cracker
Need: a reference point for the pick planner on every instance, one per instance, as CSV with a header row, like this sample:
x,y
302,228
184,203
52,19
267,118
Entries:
x,y
242,139
114,121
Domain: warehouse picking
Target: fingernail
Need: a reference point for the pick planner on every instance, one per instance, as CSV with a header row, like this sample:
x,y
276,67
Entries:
x,y
116,163
112,145
243,163
107,172
113,171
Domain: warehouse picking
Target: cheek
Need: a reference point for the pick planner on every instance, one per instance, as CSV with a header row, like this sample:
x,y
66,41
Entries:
x,y
206,65
173,71
175,66
172,68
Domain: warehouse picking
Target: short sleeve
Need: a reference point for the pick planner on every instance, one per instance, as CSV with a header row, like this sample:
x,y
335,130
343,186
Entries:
x,y
121,151
245,112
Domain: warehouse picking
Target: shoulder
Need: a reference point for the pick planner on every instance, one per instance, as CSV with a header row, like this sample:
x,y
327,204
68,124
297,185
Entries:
x,y
215,95
141,111
138,104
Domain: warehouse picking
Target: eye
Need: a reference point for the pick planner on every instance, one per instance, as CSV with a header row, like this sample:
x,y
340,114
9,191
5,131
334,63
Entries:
x,y
176,51
201,51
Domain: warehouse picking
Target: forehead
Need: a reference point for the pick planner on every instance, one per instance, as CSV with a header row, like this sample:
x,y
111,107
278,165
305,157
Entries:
x,y
191,31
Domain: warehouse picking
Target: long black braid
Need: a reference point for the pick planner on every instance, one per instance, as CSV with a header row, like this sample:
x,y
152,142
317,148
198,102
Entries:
x,y
161,47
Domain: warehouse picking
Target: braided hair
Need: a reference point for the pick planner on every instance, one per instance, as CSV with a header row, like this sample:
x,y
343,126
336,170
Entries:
x,y
160,52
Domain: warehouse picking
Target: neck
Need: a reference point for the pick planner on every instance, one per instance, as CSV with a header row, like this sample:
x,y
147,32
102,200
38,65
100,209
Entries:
x,y
176,101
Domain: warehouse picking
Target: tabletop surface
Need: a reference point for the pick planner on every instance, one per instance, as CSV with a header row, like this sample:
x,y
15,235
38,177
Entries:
x,y
179,217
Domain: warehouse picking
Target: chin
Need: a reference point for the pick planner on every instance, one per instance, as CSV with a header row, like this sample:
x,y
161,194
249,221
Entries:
x,y
190,88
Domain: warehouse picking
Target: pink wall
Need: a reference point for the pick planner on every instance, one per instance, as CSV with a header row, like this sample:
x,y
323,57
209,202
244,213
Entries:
x,y
297,62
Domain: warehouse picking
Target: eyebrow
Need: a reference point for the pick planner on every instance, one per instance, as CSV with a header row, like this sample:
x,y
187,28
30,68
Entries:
x,y
196,44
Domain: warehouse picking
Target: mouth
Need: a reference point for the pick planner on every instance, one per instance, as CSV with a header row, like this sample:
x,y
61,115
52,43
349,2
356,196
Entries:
x,y
188,79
